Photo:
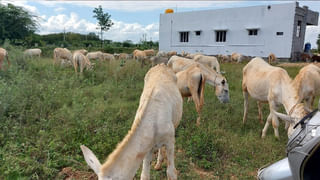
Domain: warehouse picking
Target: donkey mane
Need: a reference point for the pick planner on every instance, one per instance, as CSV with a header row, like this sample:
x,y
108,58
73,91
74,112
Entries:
x,y
120,147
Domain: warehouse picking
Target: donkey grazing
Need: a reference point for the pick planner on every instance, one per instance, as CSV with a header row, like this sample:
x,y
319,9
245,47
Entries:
x,y
158,115
266,83
191,82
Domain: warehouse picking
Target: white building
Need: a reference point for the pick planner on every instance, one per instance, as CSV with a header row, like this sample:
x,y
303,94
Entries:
x,y
251,31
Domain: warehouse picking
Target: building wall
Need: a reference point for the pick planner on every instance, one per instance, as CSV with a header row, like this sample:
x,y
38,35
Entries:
x,y
298,41
306,17
278,18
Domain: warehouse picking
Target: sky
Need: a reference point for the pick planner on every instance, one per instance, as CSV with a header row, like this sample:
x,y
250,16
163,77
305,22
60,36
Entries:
x,y
131,19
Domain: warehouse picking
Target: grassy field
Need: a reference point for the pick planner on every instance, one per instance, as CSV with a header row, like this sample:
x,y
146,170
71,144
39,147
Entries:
x,y
47,112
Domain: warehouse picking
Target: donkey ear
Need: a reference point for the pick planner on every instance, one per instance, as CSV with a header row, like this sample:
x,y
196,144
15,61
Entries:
x,y
307,109
284,117
91,159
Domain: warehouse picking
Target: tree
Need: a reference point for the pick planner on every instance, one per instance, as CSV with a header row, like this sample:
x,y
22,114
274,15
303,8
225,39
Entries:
x,y
92,36
16,23
318,42
127,43
104,21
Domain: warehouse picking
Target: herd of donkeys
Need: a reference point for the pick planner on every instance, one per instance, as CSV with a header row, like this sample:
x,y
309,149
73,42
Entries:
x,y
174,76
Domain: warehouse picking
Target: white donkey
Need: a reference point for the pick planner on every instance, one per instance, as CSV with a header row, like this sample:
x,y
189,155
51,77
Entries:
x,y
307,82
266,83
158,115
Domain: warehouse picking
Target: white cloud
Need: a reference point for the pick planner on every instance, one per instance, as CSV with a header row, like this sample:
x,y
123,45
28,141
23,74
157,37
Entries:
x,y
49,3
43,16
72,23
59,9
133,31
120,31
145,5
22,4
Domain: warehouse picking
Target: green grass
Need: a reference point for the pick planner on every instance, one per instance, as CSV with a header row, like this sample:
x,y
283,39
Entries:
x,y
47,112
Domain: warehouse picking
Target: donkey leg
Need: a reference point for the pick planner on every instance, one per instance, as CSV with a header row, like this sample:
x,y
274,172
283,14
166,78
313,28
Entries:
x,y
161,152
264,131
275,121
260,112
171,170
245,106
196,100
145,174
275,124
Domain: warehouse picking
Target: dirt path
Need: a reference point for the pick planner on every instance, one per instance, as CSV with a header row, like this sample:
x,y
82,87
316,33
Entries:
x,y
68,173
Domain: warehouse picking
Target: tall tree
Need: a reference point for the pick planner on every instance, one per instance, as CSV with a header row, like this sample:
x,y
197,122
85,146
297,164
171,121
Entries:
x,y
104,21
16,23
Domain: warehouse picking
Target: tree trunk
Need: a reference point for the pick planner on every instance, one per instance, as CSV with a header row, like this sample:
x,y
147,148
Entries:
x,y
101,39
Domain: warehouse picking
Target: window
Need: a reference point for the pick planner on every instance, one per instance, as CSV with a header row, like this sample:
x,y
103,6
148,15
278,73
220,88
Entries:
x,y
298,29
198,33
184,36
279,33
221,36
252,32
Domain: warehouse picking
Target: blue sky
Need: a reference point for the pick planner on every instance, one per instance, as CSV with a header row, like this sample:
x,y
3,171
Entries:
x,y
131,18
